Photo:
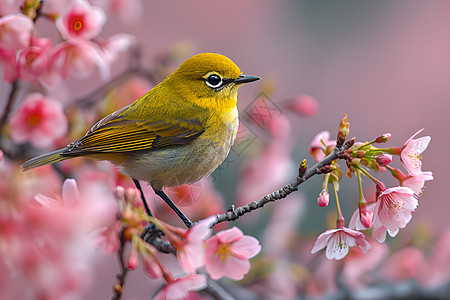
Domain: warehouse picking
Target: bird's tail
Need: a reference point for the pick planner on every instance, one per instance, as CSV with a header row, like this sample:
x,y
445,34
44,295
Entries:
x,y
44,159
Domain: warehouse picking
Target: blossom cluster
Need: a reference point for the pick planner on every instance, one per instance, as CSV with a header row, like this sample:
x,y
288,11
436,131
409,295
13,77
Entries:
x,y
225,254
392,207
26,56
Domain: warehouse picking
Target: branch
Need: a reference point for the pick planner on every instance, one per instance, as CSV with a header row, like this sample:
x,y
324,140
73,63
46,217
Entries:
x,y
9,104
234,213
118,287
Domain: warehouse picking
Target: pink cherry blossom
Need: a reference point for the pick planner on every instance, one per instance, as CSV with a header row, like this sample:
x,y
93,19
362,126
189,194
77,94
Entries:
x,y
416,181
190,252
393,211
410,153
15,31
39,120
8,64
303,105
338,242
317,149
78,57
44,244
81,20
33,60
115,45
179,288
324,199
404,264
228,254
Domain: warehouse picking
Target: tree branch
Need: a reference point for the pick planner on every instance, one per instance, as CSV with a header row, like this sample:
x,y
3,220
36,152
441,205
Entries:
x,y
234,213
9,104
121,276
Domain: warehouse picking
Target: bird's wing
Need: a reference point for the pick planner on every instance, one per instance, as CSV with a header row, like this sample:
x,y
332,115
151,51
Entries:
x,y
115,134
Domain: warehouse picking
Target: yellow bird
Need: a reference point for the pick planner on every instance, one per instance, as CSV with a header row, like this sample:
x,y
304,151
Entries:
x,y
178,132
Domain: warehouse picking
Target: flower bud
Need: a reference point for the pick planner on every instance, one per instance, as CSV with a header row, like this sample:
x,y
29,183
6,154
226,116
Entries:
x,y
383,138
302,168
344,129
366,218
365,215
132,261
151,268
324,198
384,159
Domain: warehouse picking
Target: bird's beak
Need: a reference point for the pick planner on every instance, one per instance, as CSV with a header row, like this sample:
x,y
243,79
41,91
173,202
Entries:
x,y
245,78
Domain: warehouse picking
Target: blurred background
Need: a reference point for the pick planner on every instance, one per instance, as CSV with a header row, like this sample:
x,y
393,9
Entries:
x,y
386,64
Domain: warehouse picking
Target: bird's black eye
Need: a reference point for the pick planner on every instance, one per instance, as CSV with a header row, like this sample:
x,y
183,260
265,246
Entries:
x,y
214,81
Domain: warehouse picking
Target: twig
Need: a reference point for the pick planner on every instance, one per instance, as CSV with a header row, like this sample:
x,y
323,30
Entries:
x,y
9,104
234,213
118,287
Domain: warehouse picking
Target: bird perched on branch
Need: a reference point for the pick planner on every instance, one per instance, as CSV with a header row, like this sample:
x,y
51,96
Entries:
x,y
178,132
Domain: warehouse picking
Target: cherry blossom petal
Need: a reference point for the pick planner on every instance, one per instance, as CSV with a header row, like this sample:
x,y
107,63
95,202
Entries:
x,y
416,181
337,247
15,31
322,240
230,235
70,192
8,64
179,288
245,248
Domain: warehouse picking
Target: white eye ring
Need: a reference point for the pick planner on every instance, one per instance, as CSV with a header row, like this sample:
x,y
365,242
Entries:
x,y
214,81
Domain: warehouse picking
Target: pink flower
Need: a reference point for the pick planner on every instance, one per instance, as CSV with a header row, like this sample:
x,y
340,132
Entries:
x,y
362,218
338,242
324,199
384,159
78,58
39,120
15,31
115,45
180,287
70,196
228,254
410,154
81,20
319,145
406,263
190,252
392,211
33,60
8,63
416,181
304,105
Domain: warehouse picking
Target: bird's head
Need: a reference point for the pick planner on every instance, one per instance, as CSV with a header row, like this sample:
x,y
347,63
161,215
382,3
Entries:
x,y
209,77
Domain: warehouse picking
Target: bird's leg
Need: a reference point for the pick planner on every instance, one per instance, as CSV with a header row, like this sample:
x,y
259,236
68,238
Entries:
x,y
147,209
172,205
